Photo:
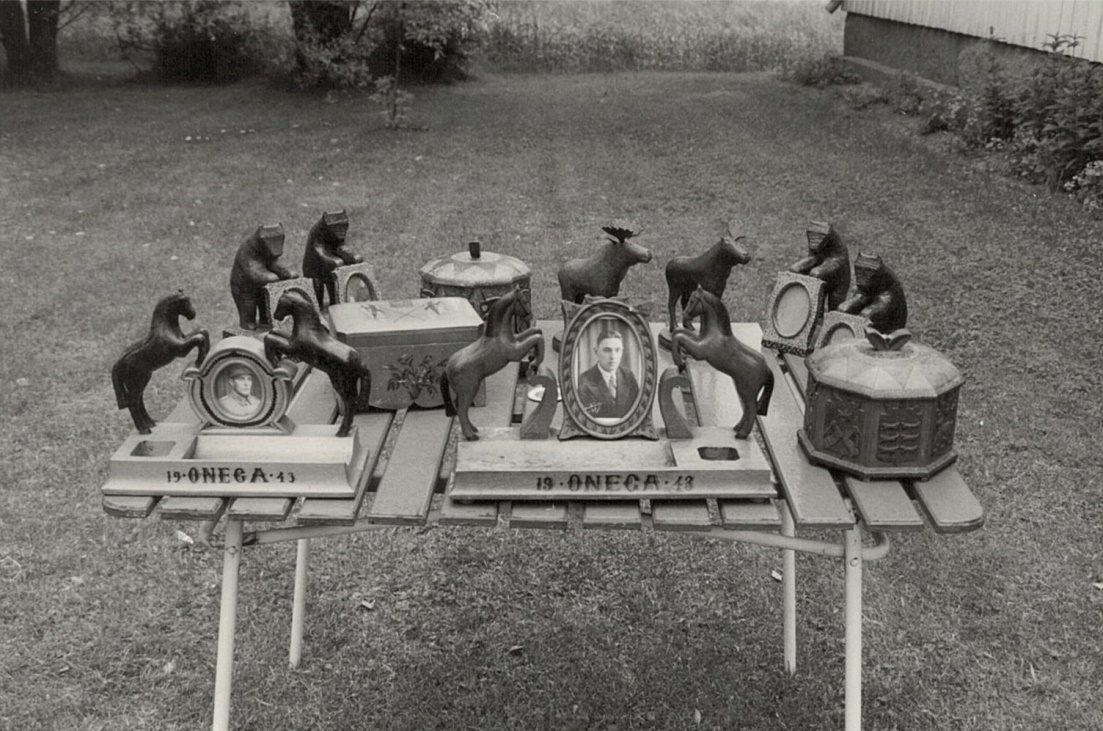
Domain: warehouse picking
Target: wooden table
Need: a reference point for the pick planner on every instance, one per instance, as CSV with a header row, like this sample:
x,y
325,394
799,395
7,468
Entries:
x,y
409,485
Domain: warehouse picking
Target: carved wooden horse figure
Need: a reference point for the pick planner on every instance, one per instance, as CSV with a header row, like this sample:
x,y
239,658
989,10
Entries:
x,y
723,351
311,342
709,270
601,274
497,345
165,342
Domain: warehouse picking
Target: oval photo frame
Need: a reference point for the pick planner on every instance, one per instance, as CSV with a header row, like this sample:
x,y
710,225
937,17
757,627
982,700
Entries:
x,y
232,407
607,344
213,392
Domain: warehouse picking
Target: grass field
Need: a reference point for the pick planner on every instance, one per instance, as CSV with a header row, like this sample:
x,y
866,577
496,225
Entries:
x,y
114,194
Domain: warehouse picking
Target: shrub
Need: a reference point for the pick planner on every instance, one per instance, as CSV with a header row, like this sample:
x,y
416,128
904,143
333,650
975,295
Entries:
x,y
1058,124
340,64
432,39
1087,186
428,40
1048,123
189,40
820,71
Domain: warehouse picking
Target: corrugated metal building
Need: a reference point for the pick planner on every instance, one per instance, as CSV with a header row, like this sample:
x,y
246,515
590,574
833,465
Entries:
x,y
930,37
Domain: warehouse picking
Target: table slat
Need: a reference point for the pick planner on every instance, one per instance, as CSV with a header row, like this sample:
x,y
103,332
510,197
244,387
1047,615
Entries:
x,y
271,509
680,514
749,515
129,506
884,505
454,512
811,491
624,516
500,391
407,485
714,394
314,402
538,514
373,427
192,508
796,366
948,503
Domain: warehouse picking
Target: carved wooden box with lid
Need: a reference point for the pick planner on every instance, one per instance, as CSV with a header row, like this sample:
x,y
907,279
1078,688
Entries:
x,y
881,408
478,276
406,343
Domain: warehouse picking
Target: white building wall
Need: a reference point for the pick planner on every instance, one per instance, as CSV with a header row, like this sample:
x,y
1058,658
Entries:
x,y
1029,23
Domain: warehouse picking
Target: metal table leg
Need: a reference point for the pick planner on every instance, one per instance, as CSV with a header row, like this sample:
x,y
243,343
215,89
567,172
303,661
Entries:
x,y
227,621
298,607
789,593
853,558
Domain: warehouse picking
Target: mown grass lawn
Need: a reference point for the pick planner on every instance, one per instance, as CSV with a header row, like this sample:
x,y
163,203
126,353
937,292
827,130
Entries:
x,y
112,195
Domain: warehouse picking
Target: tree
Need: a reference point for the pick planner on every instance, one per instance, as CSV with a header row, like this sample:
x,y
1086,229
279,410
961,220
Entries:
x,y
321,21
30,39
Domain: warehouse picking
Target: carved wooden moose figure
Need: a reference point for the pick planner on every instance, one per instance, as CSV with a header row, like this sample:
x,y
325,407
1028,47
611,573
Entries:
x,y
311,342
709,271
601,274
754,382
498,345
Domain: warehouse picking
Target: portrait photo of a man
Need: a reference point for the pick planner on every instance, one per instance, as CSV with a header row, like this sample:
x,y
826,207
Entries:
x,y
239,402
608,389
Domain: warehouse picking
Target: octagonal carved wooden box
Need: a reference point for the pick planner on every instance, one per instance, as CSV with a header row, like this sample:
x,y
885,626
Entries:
x,y
881,408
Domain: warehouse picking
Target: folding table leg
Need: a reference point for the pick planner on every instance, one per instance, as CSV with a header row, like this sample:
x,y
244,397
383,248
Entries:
x,y
298,606
789,593
853,558
227,621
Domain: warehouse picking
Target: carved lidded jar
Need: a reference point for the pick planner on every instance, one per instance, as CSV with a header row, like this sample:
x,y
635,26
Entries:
x,y
881,408
478,276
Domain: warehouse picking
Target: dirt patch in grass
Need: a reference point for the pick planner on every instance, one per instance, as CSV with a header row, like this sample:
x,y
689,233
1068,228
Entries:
x,y
112,196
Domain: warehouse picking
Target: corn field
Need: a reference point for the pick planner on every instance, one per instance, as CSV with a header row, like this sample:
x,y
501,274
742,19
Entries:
x,y
671,35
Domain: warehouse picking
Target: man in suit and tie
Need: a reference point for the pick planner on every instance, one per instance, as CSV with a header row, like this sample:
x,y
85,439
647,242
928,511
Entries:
x,y
608,389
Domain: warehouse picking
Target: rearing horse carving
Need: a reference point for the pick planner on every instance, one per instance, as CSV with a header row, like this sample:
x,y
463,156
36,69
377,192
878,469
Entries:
x,y
754,382
165,342
498,345
709,270
601,274
311,342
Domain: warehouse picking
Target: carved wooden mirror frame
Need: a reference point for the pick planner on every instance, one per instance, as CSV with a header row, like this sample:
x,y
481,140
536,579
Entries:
x,y
347,279
794,309
838,327
275,290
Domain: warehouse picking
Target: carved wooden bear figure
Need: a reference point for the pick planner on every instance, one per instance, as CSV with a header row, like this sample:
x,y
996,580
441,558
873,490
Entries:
x,y
257,264
828,260
878,295
325,251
